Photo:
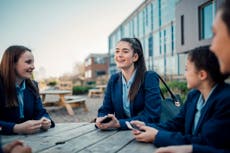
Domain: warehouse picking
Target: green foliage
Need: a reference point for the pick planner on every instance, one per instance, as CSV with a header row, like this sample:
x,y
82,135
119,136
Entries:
x,y
177,87
91,83
77,90
52,83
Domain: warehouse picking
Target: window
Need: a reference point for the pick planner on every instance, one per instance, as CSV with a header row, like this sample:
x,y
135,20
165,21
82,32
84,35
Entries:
x,y
100,73
206,17
172,38
182,29
99,60
88,62
151,46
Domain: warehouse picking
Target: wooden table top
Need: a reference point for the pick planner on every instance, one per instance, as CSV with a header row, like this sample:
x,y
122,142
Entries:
x,y
83,138
55,92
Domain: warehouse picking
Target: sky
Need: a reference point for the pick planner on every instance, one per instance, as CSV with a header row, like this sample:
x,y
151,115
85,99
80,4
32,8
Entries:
x,y
61,33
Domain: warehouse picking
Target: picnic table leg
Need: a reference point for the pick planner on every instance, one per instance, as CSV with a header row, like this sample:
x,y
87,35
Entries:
x,y
67,106
85,107
43,98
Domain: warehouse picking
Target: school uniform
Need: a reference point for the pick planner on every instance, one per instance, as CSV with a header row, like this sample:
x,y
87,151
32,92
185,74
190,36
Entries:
x,y
32,109
213,125
145,107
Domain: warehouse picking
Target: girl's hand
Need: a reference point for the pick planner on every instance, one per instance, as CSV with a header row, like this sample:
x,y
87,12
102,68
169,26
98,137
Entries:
x,y
28,127
16,147
46,123
148,135
114,123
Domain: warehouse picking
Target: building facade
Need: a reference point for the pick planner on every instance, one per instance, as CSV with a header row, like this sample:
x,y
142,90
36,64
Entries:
x,y
168,29
153,22
194,23
96,66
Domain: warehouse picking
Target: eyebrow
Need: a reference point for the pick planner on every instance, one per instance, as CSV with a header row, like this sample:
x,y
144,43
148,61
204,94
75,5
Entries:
x,y
123,49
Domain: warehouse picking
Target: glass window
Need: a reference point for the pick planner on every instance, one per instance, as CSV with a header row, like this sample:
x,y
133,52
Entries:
x,y
99,60
100,73
206,16
150,46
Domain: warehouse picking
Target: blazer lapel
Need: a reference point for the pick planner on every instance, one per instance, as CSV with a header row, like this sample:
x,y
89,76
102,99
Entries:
x,y
119,98
190,114
205,110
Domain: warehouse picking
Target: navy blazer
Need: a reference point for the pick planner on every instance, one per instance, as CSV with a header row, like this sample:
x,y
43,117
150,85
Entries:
x,y
1,145
145,107
33,110
207,149
213,128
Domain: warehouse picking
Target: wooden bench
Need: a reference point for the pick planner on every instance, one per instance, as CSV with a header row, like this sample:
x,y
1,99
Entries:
x,y
95,93
76,101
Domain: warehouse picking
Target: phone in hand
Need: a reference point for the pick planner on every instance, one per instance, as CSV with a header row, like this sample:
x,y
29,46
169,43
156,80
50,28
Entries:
x,y
132,126
106,119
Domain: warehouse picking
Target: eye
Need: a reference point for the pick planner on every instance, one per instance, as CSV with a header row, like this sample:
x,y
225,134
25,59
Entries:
x,y
29,61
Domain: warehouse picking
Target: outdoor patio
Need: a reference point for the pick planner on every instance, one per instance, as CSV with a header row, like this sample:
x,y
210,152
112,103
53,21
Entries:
x,y
60,115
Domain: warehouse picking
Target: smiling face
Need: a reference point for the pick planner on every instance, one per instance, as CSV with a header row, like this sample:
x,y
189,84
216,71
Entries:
x,y
221,43
24,66
125,56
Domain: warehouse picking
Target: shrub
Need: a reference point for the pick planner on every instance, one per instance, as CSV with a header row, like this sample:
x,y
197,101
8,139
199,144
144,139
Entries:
x,y
52,83
177,87
77,90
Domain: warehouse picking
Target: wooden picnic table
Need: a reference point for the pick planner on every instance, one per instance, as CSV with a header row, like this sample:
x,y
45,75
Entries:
x,y
61,102
82,138
97,91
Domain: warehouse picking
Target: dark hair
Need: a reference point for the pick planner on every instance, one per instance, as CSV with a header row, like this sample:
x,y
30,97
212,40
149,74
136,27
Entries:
x,y
225,14
206,60
139,66
8,76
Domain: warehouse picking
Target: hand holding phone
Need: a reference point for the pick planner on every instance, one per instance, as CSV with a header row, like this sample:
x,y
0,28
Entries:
x,y
106,119
132,126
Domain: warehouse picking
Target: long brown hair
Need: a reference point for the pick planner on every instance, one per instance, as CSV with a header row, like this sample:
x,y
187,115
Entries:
x,y
8,75
139,66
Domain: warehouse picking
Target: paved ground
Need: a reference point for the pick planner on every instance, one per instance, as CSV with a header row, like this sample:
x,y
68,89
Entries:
x,y
61,116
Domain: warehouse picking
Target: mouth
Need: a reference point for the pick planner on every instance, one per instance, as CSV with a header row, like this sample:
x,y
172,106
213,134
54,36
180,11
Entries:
x,y
120,61
29,71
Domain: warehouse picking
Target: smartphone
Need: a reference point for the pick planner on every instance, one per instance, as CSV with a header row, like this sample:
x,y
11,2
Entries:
x,y
106,119
132,126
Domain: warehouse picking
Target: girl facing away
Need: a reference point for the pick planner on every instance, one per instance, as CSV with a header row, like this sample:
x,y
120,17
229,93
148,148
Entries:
x,y
204,118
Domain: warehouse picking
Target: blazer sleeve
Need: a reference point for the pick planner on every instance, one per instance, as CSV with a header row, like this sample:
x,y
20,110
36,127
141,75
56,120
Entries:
x,y
152,101
7,127
106,107
207,149
40,111
214,130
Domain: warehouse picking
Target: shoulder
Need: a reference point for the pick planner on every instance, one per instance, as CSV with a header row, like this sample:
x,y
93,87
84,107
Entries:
x,y
193,93
115,76
222,92
150,74
32,86
224,88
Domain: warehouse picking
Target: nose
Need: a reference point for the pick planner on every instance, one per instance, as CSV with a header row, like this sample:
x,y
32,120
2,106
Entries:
x,y
32,66
120,54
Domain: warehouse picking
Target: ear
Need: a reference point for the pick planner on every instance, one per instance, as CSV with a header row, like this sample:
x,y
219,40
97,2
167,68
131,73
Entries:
x,y
203,75
135,57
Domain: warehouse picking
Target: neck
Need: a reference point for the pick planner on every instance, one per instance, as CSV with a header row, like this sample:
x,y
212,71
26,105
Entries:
x,y
127,73
19,81
206,88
